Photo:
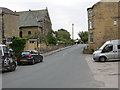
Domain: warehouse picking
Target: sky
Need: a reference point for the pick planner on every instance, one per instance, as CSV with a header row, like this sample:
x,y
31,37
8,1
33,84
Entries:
x,y
63,13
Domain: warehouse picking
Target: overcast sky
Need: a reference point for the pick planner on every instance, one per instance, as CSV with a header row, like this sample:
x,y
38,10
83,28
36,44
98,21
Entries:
x,y
63,13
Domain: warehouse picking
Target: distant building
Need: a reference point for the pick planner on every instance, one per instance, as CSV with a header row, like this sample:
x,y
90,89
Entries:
x,y
103,23
9,25
35,24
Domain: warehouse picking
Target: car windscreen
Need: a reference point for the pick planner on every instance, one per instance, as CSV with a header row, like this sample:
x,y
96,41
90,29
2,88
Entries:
x,y
0,51
25,53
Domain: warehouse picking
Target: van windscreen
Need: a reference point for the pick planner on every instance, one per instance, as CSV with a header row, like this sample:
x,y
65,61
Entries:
x,y
5,49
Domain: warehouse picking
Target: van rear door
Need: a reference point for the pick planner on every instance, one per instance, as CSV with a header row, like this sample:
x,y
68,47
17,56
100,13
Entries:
x,y
117,52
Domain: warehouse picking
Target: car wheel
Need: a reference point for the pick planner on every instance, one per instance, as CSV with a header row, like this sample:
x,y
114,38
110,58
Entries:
x,y
12,67
102,59
33,62
41,60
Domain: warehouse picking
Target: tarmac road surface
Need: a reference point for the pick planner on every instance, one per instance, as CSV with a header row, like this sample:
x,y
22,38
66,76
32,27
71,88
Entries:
x,y
64,69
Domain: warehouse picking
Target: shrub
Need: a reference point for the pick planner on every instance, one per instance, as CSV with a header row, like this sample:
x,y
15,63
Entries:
x,y
18,44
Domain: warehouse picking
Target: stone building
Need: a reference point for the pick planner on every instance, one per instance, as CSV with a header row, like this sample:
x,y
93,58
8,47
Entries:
x,y
103,23
9,25
34,24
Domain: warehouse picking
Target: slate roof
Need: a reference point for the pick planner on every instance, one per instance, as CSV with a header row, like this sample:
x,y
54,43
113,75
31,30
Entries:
x,y
32,18
7,11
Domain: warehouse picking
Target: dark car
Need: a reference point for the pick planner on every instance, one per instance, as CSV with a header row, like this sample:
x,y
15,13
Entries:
x,y
29,57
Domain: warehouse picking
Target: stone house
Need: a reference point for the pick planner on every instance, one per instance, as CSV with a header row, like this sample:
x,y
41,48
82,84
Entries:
x,y
103,23
8,25
34,24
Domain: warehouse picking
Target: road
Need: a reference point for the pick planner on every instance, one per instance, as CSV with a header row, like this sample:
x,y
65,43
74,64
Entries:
x,y
64,69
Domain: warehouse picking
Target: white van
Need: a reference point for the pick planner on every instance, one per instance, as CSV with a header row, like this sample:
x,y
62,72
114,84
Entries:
x,y
7,61
109,51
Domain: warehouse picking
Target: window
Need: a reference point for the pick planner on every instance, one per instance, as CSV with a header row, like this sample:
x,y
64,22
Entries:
x,y
115,23
5,49
29,32
34,52
32,41
25,53
8,39
20,34
90,12
91,26
91,37
108,48
118,46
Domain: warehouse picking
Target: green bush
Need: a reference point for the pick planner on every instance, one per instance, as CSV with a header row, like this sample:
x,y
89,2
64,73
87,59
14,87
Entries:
x,y
18,44
50,39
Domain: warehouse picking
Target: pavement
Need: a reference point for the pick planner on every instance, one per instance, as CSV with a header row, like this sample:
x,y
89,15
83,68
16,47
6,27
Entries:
x,y
106,72
55,51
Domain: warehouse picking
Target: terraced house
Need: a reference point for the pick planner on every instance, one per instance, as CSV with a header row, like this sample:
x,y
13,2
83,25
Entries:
x,y
9,25
103,22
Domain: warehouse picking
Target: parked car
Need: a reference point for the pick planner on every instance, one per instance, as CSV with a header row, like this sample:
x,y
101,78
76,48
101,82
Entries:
x,y
29,57
7,59
109,51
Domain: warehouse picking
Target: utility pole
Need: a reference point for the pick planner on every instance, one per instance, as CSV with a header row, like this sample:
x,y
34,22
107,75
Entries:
x,y
73,31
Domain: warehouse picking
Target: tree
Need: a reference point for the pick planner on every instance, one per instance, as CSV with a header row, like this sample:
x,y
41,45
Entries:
x,y
84,36
18,44
62,35
50,39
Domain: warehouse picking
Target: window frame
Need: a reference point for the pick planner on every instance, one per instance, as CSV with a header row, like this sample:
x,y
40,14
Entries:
x,y
103,51
29,32
91,23
118,47
91,37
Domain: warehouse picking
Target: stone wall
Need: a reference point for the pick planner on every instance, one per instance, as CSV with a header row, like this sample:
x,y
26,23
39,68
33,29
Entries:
x,y
35,31
31,45
11,25
105,23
